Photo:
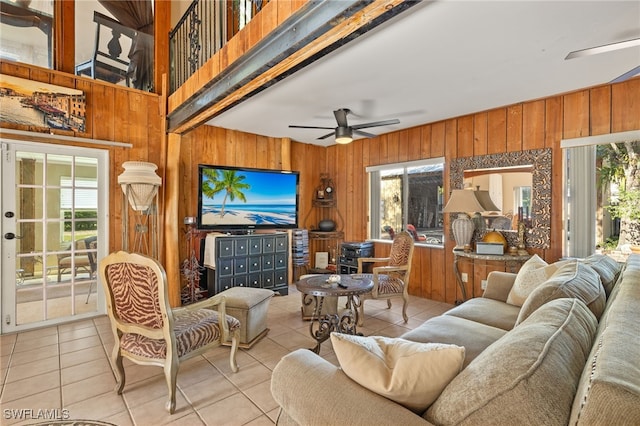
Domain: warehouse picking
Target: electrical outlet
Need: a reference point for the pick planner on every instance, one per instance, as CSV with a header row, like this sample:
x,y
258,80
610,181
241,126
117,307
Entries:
x,y
465,277
483,284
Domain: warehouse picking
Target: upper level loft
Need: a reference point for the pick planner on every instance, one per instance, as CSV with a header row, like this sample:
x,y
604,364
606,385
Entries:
x,y
122,42
279,40
214,54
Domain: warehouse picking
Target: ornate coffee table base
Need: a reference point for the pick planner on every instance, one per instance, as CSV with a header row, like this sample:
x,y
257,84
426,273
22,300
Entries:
x,y
322,325
316,288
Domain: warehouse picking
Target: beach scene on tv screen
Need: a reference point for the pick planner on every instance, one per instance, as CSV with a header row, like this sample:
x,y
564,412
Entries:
x,y
246,197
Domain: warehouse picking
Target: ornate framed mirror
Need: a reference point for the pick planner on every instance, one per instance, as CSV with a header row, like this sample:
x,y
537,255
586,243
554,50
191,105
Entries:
x,y
538,234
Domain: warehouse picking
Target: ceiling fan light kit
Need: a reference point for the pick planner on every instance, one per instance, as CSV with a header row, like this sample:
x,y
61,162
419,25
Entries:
x,y
343,135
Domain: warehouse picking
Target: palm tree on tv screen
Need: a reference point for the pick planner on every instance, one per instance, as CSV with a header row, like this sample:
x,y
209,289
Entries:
x,y
224,180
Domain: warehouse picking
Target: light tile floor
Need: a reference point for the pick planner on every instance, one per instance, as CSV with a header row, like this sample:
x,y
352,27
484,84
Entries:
x,y
65,370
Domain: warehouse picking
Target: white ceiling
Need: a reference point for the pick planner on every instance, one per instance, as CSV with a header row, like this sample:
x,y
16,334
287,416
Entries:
x,y
445,59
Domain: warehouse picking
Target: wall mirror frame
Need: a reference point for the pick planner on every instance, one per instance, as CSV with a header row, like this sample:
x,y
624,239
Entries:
x,y
539,234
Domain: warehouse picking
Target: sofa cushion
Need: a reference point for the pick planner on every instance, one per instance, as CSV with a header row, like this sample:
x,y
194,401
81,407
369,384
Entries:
x,y
409,373
609,390
573,279
473,336
529,376
607,268
487,311
534,272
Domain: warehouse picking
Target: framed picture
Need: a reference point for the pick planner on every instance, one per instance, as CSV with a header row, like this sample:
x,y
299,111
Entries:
x,y
36,104
322,259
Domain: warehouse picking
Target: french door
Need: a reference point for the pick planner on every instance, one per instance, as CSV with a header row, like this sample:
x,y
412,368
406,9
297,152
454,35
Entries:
x,y
54,231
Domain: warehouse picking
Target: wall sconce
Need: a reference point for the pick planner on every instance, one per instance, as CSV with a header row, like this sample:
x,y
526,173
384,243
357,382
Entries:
x,y
140,183
461,202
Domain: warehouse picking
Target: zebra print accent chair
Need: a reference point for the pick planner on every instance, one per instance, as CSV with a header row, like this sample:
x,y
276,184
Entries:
x,y
392,279
148,331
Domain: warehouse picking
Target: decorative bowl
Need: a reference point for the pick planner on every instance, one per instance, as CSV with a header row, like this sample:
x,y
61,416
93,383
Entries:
x,y
326,225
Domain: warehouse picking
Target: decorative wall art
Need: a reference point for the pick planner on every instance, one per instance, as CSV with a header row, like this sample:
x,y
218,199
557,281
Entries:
x,y
31,103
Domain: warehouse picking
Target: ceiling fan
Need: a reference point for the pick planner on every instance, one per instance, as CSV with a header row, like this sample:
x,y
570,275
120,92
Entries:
x,y
344,132
608,48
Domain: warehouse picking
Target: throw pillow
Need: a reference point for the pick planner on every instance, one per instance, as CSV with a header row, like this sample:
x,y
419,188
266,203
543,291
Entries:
x,y
410,373
607,268
573,280
534,272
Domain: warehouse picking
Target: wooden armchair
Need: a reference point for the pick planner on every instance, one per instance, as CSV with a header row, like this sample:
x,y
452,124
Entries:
x,y
392,279
148,331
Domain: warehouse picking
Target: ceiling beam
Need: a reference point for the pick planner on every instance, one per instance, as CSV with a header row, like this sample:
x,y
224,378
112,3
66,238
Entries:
x,y
316,29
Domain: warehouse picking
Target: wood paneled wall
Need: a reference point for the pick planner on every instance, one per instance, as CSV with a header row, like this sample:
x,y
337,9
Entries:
x,y
529,125
113,114
124,115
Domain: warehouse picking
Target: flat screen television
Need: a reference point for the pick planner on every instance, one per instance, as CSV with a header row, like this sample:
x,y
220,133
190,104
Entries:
x,y
234,198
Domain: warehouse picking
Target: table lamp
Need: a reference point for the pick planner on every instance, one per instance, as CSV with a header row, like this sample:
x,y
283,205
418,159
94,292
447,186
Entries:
x,y
462,201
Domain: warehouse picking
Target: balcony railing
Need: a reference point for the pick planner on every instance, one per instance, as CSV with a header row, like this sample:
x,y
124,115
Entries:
x,y
203,30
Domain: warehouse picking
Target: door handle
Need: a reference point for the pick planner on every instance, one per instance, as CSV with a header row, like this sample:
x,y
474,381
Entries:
x,y
11,236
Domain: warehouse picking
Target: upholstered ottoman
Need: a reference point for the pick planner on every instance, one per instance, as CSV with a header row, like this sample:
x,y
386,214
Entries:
x,y
249,305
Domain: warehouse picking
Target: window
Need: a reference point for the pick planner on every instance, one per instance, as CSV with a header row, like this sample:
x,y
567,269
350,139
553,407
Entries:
x,y
26,32
601,194
407,196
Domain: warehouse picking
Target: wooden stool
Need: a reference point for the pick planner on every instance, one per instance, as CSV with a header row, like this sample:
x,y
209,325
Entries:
x,y
249,305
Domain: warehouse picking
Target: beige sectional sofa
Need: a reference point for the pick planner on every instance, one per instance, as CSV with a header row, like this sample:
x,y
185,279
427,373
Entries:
x,y
569,355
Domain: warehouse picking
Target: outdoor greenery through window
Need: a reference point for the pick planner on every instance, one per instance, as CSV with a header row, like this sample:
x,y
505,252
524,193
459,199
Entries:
x,y
602,197
407,197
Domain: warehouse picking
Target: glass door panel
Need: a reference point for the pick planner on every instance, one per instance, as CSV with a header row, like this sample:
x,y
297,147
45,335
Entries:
x,y
50,206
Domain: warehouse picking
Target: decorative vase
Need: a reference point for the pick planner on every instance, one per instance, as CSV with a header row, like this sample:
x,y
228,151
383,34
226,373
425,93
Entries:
x,y
462,229
326,225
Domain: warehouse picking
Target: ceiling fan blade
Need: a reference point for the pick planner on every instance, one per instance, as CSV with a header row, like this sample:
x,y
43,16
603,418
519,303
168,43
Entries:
x,y
604,48
341,117
327,135
308,127
627,75
365,134
376,124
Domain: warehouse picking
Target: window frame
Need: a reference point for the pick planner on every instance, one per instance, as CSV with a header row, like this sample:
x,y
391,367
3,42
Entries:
x,y
374,191
584,243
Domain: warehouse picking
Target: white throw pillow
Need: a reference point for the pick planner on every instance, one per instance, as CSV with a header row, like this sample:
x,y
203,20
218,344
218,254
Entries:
x,y
534,272
410,373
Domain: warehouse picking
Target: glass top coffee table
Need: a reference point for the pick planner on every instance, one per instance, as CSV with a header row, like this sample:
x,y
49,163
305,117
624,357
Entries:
x,y
319,287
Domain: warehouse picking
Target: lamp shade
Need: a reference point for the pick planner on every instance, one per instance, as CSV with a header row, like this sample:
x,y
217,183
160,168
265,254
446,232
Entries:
x,y
485,201
140,183
463,200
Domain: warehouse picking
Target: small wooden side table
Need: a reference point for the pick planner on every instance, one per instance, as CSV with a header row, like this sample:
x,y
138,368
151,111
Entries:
x,y
512,262
317,286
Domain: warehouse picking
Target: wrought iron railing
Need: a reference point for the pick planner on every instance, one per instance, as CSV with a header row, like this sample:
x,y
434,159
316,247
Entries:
x,y
203,30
